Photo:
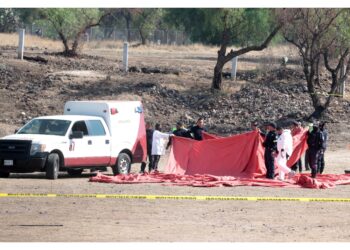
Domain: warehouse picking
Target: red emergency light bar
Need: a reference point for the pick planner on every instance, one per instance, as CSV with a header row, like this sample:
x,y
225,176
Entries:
x,y
114,111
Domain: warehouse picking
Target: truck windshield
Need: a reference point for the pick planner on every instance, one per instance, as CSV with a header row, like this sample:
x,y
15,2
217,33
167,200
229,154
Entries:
x,y
45,127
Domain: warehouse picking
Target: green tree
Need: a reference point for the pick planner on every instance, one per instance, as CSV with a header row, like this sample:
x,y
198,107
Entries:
x,y
72,24
252,29
9,20
146,20
236,25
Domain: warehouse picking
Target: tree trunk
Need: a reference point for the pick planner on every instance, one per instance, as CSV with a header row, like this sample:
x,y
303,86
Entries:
x,y
128,20
143,37
318,113
217,79
65,42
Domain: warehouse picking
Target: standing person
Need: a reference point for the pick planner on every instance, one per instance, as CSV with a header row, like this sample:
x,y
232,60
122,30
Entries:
x,y
320,165
315,142
284,151
181,132
158,146
296,129
149,138
270,145
254,127
198,129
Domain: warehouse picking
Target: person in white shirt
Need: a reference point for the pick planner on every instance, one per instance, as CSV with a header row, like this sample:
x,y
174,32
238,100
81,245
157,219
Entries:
x,y
285,150
158,146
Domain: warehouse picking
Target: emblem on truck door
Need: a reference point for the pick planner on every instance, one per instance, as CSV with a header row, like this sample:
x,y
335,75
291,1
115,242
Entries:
x,y
138,110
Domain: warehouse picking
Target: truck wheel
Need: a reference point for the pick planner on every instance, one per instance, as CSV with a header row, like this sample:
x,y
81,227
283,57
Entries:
x,y
4,175
74,171
123,164
52,166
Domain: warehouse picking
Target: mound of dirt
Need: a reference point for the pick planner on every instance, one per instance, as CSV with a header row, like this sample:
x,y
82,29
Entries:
x,y
31,89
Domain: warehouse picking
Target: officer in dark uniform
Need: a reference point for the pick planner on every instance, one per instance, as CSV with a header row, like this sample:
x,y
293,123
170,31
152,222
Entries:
x,y
198,129
181,132
320,165
149,138
270,145
315,142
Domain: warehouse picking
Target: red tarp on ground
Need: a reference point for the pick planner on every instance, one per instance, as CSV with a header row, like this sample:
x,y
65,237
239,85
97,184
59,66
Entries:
x,y
204,180
233,161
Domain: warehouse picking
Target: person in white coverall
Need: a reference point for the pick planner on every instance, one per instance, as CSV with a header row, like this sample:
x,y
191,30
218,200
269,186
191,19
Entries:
x,y
158,146
285,150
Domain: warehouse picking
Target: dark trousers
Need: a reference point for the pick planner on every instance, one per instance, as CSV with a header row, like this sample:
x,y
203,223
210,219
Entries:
x,y
307,165
270,164
320,163
297,166
143,164
155,161
313,161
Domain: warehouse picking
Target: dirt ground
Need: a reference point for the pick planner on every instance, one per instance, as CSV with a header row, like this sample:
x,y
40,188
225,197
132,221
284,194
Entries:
x,y
132,220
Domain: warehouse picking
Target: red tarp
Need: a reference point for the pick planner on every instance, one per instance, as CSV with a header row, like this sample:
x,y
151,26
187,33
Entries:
x,y
232,161
204,180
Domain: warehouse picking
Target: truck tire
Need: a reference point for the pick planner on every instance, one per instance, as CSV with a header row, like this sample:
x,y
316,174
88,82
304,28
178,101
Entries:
x,y
123,164
52,166
4,175
74,171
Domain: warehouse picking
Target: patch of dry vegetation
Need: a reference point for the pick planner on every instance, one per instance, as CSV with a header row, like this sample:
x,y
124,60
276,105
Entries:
x,y
30,41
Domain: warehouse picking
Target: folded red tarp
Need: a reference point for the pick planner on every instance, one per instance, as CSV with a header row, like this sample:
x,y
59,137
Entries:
x,y
303,180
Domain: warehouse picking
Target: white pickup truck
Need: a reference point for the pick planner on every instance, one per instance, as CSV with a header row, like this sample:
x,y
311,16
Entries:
x,y
89,134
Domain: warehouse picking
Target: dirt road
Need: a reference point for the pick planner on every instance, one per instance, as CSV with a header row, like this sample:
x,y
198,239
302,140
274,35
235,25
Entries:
x,y
132,220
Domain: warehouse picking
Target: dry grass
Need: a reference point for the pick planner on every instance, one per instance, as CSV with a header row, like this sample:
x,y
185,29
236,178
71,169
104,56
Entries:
x,y
42,43
30,41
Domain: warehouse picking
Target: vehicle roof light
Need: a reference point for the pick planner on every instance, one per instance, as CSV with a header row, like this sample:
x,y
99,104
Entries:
x,y
114,111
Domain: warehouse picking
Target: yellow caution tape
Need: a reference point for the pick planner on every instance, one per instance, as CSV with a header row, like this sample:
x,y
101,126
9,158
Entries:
x,y
173,197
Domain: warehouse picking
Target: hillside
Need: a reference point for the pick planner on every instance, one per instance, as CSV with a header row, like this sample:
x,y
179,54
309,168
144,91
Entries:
x,y
173,83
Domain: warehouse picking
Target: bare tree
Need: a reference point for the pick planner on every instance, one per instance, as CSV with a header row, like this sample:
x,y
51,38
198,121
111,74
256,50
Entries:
x,y
317,33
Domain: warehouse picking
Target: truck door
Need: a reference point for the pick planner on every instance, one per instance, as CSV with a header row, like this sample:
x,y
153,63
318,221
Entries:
x,y
100,141
80,152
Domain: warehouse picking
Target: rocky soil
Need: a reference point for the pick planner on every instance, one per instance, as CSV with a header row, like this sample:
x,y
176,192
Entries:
x,y
29,89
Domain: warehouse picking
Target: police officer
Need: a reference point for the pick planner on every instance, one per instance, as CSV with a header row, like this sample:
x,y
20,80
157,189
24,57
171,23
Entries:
x,y
180,131
314,141
320,165
270,145
198,129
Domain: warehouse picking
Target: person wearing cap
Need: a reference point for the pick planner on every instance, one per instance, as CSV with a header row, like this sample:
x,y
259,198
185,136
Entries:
x,y
297,129
158,146
320,165
284,151
314,141
270,145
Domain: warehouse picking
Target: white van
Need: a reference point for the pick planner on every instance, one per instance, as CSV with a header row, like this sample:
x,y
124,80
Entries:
x,y
90,134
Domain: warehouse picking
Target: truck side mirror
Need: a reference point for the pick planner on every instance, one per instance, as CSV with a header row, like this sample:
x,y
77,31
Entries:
x,y
16,130
76,135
